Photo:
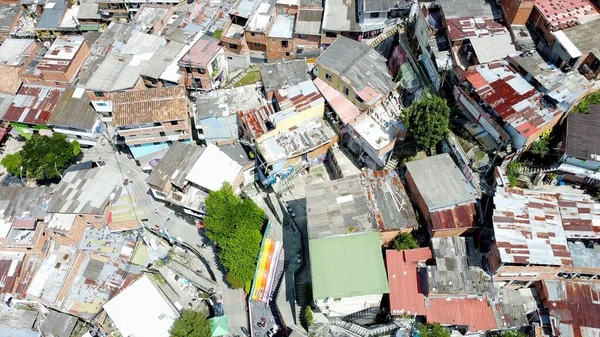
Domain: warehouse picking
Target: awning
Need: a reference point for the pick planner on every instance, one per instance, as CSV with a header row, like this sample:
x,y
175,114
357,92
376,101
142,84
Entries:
x,y
219,326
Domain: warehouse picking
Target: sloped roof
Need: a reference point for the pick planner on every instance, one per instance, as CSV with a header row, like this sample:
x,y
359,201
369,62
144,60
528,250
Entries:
x,y
73,109
573,306
440,182
347,266
175,165
219,326
583,135
149,106
283,74
360,65
86,191
370,201
407,295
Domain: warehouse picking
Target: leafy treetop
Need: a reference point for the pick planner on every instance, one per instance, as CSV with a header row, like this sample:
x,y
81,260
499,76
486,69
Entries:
x,y
235,224
427,121
433,330
191,324
42,157
404,241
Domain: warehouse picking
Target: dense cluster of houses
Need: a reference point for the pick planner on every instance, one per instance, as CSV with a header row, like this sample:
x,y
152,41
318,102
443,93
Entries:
x,y
156,81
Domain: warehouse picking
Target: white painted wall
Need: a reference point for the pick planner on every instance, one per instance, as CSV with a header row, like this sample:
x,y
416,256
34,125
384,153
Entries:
x,y
349,305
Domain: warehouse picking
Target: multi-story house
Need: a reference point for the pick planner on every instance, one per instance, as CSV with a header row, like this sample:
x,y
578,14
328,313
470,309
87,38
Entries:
x,y
75,117
447,201
187,173
148,121
307,32
23,219
57,65
354,80
58,17
204,66
543,235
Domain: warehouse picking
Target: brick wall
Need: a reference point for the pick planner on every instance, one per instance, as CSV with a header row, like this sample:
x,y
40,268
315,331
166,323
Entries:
x,y
58,79
277,51
539,21
307,42
517,11
256,41
329,40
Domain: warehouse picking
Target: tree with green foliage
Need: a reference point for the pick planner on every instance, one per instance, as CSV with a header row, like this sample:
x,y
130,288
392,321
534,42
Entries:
x,y
235,224
43,157
427,120
540,147
433,330
12,163
584,105
513,171
404,241
191,324
308,314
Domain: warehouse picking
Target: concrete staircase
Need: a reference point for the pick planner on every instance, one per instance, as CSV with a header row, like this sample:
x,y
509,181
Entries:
x,y
525,170
360,314
351,327
376,41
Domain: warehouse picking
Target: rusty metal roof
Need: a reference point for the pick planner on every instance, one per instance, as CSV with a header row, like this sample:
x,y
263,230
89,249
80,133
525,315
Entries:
x,y
149,106
574,307
33,105
528,228
511,97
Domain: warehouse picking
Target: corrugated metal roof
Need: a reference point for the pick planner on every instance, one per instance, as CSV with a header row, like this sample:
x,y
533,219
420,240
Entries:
x,y
282,74
359,65
150,106
33,105
86,191
174,165
407,296
440,182
73,110
10,270
573,306
512,98
347,266
528,228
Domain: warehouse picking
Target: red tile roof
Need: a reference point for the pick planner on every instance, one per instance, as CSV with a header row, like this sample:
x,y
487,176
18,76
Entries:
x,y
406,296
33,105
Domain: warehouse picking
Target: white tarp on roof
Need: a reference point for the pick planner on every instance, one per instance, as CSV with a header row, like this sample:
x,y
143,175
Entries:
x,y
493,47
141,310
569,47
213,168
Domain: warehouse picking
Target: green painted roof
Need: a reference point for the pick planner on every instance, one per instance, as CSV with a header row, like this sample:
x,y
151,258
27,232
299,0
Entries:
x,y
219,326
347,266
